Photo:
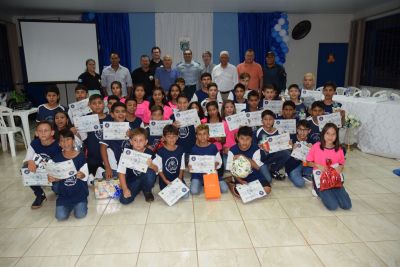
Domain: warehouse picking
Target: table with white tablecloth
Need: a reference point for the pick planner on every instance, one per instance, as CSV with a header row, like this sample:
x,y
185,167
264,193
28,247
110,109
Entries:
x,y
379,133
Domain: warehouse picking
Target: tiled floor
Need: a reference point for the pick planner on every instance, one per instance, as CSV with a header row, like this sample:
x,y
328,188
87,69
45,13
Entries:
x,y
288,228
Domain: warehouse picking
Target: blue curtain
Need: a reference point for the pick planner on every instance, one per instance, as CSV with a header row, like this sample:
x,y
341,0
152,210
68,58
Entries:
x,y
255,33
113,35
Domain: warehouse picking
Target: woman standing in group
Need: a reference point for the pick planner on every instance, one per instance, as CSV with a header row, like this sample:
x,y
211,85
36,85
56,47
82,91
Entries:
x,y
90,78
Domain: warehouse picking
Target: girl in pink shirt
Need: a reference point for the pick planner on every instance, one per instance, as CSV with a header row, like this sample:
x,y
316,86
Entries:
x,y
328,151
173,93
158,99
228,109
142,109
213,116
116,89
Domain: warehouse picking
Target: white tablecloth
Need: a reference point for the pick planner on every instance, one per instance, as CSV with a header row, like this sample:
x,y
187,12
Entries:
x,y
379,133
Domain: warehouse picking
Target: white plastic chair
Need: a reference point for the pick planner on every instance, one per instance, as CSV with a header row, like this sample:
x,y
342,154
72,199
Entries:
x,y
381,93
319,88
9,131
340,90
354,91
395,96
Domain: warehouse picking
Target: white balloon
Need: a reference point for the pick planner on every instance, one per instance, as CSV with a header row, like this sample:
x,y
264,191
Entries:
x,y
277,27
285,38
282,33
281,21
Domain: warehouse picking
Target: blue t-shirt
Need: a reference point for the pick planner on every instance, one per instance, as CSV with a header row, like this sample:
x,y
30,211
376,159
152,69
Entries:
x,y
249,153
132,174
135,123
153,140
201,95
329,108
210,150
46,153
72,190
171,163
315,134
187,136
261,136
46,114
92,143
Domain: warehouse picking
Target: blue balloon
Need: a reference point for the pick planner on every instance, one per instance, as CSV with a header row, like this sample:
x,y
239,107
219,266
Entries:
x,y
285,26
278,39
282,61
274,33
285,50
284,15
282,45
277,58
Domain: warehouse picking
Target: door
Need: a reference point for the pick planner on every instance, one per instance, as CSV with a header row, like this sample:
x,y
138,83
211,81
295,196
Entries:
x,y
332,59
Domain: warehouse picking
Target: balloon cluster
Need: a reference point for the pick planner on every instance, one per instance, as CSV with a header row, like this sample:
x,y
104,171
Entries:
x,y
280,37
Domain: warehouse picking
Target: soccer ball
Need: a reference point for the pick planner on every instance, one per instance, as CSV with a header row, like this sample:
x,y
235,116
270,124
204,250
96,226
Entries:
x,y
241,167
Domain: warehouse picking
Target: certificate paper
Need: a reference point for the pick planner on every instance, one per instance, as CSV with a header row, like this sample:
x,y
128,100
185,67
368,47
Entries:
x,y
61,170
89,123
216,129
134,160
236,120
80,108
202,164
286,126
300,151
251,191
254,118
34,178
278,142
333,117
317,95
240,107
115,130
187,117
173,192
274,105
156,127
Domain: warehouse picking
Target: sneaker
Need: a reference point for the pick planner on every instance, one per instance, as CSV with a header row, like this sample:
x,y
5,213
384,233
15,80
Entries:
x,y
314,193
148,196
278,176
38,202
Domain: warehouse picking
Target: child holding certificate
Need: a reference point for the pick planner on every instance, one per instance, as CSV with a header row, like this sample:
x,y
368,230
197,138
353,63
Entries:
x,y
294,94
62,122
204,148
133,181
116,89
155,140
200,111
275,161
253,100
173,93
131,106
47,111
213,116
288,111
245,147
331,106
41,150
187,134
317,109
72,191
170,159
158,99
142,109
92,139
327,159
81,93
297,173
111,150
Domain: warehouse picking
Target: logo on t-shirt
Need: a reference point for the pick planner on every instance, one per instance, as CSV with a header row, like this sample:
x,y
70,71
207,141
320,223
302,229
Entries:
x,y
171,165
183,132
71,181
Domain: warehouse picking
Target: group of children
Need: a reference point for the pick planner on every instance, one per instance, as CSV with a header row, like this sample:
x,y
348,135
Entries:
x,y
58,140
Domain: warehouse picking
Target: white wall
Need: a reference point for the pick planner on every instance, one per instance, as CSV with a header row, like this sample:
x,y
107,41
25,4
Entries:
x,y
303,54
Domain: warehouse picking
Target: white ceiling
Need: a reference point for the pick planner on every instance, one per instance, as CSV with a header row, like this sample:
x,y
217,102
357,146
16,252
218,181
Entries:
x,y
30,7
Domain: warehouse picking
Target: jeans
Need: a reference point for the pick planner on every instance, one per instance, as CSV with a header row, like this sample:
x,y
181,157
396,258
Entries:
x,y
297,174
80,211
144,181
265,172
196,185
332,198
38,190
276,160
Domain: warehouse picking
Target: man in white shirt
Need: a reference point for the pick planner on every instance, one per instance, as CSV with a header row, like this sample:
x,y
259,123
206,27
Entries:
x,y
225,75
116,72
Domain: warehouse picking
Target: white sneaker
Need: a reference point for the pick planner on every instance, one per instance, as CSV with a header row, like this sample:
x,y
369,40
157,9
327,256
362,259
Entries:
x,y
314,193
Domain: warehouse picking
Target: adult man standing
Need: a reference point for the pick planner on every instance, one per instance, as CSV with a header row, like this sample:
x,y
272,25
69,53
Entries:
x,y
208,65
166,75
253,68
156,58
190,71
116,72
309,81
225,75
144,75
274,74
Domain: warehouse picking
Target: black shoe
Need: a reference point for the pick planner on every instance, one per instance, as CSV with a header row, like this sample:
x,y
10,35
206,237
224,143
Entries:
x,y
277,176
38,202
148,196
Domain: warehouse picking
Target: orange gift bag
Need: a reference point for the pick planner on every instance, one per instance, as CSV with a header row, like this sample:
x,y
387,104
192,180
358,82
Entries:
x,y
211,186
